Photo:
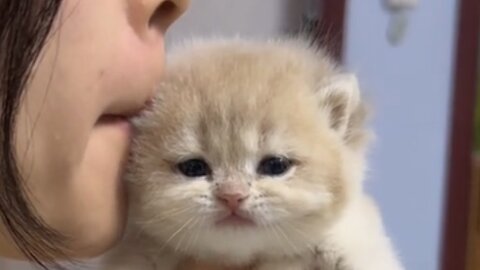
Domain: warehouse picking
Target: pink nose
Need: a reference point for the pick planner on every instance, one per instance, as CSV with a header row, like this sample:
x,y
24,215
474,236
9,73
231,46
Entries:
x,y
232,200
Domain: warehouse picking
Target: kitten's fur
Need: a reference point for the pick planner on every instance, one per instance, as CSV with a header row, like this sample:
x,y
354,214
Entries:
x,y
233,102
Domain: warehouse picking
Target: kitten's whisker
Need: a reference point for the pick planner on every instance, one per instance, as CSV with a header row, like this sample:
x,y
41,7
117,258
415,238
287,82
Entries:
x,y
174,210
272,229
177,232
303,235
194,238
165,215
182,237
288,239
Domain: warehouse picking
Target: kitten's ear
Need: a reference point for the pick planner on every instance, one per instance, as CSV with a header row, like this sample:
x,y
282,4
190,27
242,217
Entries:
x,y
339,97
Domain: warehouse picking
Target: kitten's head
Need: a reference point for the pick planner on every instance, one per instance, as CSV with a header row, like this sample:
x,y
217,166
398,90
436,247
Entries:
x,y
248,147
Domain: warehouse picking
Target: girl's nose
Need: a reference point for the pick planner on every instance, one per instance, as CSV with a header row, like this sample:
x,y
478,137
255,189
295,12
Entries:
x,y
156,15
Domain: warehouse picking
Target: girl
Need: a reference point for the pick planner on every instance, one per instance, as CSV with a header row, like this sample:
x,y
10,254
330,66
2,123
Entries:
x,y
72,73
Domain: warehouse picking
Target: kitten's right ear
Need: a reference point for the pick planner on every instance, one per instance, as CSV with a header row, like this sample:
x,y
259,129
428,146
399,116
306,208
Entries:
x,y
339,97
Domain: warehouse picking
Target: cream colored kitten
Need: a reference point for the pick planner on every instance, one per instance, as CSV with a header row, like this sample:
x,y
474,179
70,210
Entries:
x,y
252,155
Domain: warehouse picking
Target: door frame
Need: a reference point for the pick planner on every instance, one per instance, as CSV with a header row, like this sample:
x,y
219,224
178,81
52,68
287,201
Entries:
x,y
330,30
459,166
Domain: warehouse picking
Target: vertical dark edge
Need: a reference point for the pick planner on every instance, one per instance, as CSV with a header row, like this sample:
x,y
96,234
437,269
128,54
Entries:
x,y
332,25
456,211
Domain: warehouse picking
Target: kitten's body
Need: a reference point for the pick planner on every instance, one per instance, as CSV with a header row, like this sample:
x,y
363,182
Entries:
x,y
234,104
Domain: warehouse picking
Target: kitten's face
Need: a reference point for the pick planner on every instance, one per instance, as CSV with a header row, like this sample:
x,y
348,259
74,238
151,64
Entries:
x,y
237,156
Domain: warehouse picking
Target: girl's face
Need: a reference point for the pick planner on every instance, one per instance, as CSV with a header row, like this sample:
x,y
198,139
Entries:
x,y
102,59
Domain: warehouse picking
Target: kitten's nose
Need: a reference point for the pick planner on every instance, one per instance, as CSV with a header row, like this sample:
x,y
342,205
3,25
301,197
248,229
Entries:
x,y
232,200
232,194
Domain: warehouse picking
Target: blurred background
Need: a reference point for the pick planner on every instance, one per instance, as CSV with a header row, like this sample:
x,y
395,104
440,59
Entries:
x,y
417,62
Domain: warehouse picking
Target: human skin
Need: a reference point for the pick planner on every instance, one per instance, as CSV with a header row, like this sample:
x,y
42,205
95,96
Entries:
x,y
102,58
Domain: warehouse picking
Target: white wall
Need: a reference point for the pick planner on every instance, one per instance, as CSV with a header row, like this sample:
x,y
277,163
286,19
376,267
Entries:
x,y
410,86
252,18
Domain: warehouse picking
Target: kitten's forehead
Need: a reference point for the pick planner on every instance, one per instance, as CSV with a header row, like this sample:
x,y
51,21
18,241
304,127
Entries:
x,y
230,133
241,99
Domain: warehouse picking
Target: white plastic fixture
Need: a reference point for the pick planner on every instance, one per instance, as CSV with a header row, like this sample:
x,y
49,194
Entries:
x,y
399,12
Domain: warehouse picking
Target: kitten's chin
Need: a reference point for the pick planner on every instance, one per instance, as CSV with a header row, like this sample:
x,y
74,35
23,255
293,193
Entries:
x,y
235,220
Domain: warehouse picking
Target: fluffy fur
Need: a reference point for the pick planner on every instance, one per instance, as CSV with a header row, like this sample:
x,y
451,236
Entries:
x,y
233,102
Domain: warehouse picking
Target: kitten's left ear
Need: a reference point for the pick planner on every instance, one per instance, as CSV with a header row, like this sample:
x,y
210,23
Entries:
x,y
339,97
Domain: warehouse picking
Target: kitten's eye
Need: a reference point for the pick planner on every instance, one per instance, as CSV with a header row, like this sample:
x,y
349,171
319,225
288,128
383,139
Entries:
x,y
274,166
194,168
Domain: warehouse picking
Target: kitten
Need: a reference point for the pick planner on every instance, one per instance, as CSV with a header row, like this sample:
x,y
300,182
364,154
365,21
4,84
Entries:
x,y
253,155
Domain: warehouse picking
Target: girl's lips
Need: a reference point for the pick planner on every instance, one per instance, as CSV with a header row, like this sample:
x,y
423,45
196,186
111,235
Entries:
x,y
118,121
123,121
114,115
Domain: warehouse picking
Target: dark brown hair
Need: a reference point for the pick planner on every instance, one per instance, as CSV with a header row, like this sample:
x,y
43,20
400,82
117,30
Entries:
x,y
25,25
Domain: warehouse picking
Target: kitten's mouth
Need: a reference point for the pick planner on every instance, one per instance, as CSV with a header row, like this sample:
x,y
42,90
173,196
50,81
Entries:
x,y
236,220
